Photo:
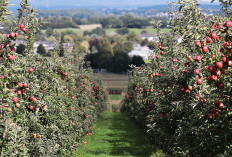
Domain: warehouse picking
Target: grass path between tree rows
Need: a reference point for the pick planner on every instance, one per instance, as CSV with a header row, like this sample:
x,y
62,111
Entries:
x,y
115,135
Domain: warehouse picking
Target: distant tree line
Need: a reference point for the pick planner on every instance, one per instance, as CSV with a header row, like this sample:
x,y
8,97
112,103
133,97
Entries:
x,y
84,13
111,53
125,21
59,22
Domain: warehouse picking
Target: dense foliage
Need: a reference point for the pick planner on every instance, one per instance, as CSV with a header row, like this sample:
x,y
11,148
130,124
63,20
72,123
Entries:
x,y
111,53
46,104
183,98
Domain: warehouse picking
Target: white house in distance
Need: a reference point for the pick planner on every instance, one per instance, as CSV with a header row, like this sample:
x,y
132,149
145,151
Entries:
x,y
48,45
139,50
143,51
149,37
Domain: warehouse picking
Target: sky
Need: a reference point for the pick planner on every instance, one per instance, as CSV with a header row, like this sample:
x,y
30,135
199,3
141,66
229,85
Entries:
x,y
109,3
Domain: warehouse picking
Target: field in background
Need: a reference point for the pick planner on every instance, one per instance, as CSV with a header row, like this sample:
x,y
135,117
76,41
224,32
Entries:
x,y
78,31
89,27
113,80
118,81
83,28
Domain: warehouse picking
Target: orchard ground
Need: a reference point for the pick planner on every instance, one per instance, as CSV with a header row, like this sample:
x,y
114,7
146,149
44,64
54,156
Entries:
x,y
116,135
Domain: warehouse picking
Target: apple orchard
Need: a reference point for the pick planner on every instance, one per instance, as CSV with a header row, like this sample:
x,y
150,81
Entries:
x,y
182,99
46,104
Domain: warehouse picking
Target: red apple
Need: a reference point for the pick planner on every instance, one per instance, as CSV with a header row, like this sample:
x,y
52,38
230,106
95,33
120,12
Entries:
x,y
221,85
20,84
12,34
12,90
219,64
225,44
209,40
31,107
196,71
25,85
30,70
218,72
204,100
221,105
197,43
11,57
213,35
182,88
216,102
217,114
224,59
19,92
230,63
213,56
23,90
228,24
198,58
187,91
214,77
174,60
10,109
190,87
210,116
21,26
34,135
34,99
17,105
45,107
199,81
205,49
15,99
211,68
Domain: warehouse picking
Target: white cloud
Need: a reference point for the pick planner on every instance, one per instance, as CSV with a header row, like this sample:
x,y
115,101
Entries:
x,y
209,1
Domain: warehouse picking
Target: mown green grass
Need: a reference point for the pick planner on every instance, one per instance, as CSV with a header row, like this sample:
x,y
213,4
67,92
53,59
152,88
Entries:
x,y
115,97
115,135
147,61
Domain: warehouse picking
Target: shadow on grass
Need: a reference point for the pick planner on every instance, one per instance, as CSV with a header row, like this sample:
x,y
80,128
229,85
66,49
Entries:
x,y
116,135
130,139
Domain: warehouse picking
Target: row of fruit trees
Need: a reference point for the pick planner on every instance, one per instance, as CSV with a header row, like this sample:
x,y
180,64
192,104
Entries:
x,y
183,99
46,104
